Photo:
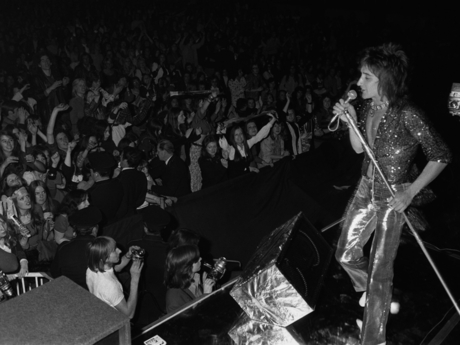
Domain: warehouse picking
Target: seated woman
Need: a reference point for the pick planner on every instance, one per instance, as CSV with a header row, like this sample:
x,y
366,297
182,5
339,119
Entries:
x,y
213,166
44,204
11,180
272,148
11,251
182,278
239,153
10,152
74,201
32,221
103,261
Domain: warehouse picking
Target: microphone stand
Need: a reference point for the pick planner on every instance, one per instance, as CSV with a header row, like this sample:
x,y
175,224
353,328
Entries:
x,y
411,227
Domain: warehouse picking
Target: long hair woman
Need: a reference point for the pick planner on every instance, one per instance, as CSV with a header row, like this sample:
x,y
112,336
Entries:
x,y
11,249
272,147
239,153
9,150
182,277
213,166
42,197
32,221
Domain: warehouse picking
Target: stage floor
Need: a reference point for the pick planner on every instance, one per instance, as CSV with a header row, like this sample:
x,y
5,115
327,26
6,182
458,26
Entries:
x,y
425,306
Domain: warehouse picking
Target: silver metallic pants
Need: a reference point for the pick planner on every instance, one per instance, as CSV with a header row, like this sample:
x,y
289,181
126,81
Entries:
x,y
369,212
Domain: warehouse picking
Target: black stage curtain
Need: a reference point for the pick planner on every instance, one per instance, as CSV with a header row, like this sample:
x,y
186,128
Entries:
x,y
234,216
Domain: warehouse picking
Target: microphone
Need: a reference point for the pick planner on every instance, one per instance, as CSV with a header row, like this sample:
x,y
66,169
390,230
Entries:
x,y
351,95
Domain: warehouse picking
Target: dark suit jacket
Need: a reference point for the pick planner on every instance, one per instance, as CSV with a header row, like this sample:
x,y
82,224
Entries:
x,y
107,196
71,260
134,185
175,177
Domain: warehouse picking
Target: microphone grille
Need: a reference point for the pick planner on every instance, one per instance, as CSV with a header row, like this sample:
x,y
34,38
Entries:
x,y
352,95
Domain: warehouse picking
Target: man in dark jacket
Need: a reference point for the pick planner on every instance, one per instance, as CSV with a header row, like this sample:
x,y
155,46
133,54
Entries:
x,y
70,259
173,172
106,193
134,184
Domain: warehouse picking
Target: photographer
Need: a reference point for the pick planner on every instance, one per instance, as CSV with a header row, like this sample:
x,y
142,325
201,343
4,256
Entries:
x,y
103,262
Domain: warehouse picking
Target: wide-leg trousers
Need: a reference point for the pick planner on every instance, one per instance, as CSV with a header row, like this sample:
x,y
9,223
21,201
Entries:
x,y
369,213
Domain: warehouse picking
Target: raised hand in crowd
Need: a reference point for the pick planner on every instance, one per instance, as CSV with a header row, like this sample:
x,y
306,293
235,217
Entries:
x,y
55,158
22,115
54,86
9,160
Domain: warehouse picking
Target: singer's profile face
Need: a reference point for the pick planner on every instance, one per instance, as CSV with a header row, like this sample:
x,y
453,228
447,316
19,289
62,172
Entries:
x,y
369,84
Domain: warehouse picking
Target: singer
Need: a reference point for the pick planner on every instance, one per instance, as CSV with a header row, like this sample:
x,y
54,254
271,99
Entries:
x,y
394,129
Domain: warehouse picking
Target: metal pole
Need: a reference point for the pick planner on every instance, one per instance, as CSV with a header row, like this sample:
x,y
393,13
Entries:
x,y
411,227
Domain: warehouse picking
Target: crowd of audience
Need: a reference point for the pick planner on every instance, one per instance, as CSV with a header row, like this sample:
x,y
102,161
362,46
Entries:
x,y
88,117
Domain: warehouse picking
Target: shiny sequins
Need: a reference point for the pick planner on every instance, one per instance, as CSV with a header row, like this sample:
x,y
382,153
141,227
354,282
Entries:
x,y
399,135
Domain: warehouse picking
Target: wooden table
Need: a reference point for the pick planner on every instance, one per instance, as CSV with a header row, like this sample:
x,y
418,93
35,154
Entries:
x,y
60,312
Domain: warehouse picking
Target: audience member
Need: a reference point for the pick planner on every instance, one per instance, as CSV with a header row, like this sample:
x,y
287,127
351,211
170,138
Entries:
x,y
103,261
239,153
11,251
106,193
182,279
71,256
213,166
74,201
172,170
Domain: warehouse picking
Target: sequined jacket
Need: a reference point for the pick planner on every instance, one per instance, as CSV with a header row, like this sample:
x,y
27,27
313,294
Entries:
x,y
398,137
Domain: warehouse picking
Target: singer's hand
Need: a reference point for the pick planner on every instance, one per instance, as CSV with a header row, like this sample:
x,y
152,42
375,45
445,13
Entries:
x,y
340,107
401,200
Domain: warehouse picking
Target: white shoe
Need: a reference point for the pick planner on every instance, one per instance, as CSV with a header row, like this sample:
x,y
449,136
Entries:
x,y
360,325
362,300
